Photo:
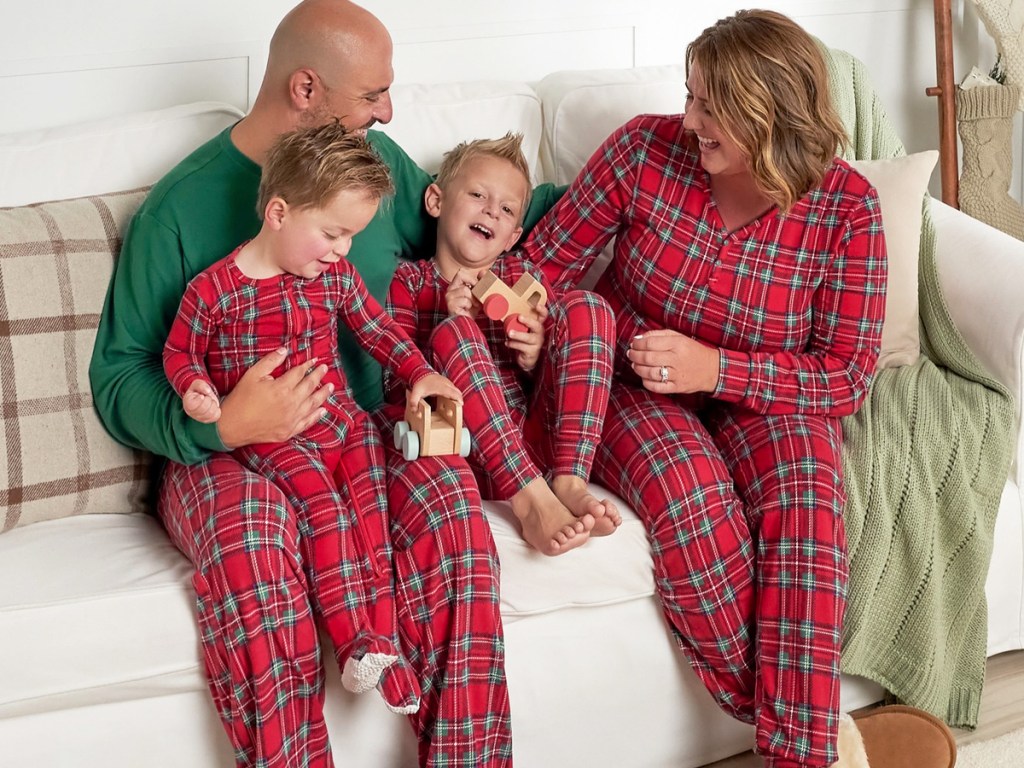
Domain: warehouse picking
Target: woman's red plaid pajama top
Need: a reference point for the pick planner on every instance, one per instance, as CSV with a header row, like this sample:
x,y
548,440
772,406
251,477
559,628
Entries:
x,y
523,424
740,490
333,473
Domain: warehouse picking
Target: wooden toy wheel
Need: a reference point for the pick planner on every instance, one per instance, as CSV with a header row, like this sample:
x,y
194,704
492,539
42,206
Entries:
x,y
401,429
512,324
411,446
495,306
466,443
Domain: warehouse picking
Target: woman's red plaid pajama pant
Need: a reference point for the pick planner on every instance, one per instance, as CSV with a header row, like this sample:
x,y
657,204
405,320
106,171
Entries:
x,y
744,515
266,574
552,424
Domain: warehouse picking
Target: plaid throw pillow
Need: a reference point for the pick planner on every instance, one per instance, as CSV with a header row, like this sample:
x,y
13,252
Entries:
x,y
56,459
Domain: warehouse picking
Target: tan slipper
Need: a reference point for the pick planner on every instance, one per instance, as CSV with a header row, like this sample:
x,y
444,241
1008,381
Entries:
x,y
898,736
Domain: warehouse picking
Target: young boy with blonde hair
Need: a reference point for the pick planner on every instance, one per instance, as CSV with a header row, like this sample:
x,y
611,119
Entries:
x,y
534,399
285,290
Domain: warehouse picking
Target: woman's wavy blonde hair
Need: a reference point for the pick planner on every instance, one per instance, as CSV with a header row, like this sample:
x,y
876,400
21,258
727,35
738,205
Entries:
x,y
767,85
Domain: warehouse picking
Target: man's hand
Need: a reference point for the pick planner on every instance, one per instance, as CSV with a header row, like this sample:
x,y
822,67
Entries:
x,y
200,401
459,296
262,409
687,364
433,384
528,345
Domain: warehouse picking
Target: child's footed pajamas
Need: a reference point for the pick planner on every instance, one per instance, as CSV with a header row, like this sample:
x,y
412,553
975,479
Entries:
x,y
550,418
335,482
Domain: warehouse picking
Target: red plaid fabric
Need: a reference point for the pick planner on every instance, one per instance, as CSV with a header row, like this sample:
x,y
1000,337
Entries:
x,y
449,618
227,321
795,301
257,608
742,496
560,405
324,518
338,496
256,617
744,515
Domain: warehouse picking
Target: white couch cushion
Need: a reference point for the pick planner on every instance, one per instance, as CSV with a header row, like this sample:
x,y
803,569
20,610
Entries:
x,y
101,606
582,108
607,570
104,155
431,119
90,608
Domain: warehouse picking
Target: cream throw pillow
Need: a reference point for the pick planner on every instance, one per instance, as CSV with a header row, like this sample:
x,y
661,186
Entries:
x,y
56,460
901,183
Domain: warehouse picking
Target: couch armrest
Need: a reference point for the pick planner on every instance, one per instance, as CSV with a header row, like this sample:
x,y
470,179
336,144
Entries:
x,y
981,272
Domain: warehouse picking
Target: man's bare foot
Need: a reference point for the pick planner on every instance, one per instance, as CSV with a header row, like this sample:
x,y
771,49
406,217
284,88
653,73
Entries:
x,y
574,493
548,526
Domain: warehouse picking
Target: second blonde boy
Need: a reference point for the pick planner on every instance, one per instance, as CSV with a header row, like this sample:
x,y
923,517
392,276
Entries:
x,y
534,400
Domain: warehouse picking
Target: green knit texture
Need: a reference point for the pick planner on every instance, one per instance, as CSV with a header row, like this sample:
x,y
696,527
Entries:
x,y
925,463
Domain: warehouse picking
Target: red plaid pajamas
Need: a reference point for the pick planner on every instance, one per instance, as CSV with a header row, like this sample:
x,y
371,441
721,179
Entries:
x,y
260,551
550,418
258,624
740,490
338,495
449,619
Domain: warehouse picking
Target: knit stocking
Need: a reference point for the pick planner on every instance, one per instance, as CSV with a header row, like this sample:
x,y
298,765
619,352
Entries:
x,y
985,120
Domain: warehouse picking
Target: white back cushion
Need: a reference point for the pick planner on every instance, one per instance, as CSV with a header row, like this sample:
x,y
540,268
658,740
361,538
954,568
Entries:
x,y
106,155
431,119
135,150
582,108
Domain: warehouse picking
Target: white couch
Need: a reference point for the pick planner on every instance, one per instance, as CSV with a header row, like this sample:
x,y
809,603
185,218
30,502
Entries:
x,y
99,655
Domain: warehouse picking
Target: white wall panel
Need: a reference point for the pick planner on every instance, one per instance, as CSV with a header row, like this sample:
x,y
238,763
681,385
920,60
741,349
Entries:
x,y
42,42
525,56
99,91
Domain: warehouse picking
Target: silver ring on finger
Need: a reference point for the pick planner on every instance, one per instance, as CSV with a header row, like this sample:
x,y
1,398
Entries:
x,y
663,373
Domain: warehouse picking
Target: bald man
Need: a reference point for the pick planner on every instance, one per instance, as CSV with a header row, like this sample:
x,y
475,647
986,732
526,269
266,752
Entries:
x,y
258,600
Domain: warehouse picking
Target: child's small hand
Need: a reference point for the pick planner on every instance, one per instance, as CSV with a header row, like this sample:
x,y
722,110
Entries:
x,y
200,402
459,296
432,385
529,344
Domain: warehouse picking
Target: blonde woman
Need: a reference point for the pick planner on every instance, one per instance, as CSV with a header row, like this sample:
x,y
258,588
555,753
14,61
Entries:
x,y
748,281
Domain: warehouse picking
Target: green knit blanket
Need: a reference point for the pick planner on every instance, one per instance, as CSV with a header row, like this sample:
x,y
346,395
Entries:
x,y
926,460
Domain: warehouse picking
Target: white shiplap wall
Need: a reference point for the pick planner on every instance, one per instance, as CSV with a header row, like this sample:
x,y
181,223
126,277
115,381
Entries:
x,y
64,61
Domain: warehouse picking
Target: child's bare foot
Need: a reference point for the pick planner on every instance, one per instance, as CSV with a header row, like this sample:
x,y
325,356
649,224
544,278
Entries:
x,y
547,525
573,492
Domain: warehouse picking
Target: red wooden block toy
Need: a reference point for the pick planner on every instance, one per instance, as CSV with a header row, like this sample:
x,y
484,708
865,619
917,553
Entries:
x,y
505,304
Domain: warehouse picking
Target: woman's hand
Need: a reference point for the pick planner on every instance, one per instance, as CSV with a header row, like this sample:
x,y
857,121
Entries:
x,y
527,345
459,296
669,362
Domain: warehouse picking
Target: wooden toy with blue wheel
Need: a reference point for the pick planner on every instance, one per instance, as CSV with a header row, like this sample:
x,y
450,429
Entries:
x,y
432,431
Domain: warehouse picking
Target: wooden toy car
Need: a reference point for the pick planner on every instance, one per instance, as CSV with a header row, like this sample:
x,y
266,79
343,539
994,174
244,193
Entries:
x,y
436,431
505,304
